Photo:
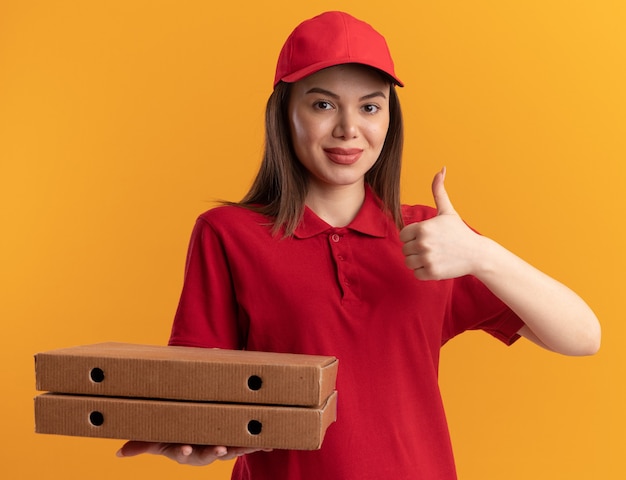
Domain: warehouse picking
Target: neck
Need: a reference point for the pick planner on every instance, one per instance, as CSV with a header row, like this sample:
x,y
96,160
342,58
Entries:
x,y
337,206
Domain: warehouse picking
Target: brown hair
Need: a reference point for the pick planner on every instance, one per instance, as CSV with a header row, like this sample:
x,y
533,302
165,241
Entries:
x,y
280,187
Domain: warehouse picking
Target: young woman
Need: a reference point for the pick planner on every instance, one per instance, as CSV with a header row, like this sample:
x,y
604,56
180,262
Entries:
x,y
314,260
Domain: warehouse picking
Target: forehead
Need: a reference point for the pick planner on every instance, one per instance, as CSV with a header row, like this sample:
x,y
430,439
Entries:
x,y
351,76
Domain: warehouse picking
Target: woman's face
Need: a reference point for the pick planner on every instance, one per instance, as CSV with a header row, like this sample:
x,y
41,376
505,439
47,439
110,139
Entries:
x,y
339,119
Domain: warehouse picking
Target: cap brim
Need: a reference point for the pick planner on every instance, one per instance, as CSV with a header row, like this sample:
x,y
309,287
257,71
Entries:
x,y
316,67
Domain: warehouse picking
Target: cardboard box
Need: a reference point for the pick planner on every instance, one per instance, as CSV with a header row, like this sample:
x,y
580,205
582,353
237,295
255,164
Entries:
x,y
184,373
297,428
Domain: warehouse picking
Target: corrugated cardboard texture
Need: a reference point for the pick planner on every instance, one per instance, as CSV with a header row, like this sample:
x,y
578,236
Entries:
x,y
294,428
185,373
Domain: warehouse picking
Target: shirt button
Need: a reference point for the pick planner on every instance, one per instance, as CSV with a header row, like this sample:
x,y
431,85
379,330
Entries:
x,y
335,238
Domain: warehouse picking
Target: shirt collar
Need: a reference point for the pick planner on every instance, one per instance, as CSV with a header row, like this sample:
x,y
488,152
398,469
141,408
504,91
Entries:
x,y
370,220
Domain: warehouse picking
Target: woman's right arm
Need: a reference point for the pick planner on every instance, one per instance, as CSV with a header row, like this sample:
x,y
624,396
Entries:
x,y
206,317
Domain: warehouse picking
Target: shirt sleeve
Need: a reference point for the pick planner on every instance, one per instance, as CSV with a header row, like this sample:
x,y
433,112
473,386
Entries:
x,y
207,314
474,307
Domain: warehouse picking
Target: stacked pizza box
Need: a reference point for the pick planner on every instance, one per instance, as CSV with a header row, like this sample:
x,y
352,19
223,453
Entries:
x,y
186,395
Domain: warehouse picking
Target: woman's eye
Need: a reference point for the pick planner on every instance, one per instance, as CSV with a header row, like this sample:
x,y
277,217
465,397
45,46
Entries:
x,y
370,108
322,105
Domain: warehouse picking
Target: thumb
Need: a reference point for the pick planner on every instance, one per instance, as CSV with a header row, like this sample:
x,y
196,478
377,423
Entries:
x,y
442,201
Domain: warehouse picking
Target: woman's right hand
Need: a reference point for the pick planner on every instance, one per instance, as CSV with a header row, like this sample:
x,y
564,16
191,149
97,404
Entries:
x,y
197,455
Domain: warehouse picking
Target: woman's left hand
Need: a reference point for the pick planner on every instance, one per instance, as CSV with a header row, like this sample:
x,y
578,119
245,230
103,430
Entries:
x,y
443,246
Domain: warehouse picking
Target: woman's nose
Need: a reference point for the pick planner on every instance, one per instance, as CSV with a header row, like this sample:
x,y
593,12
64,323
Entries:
x,y
346,127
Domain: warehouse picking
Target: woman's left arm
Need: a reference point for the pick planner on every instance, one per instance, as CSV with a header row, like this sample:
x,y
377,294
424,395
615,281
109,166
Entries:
x,y
445,247
555,317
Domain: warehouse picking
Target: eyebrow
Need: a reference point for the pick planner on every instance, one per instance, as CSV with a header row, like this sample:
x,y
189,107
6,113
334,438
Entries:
x,y
334,95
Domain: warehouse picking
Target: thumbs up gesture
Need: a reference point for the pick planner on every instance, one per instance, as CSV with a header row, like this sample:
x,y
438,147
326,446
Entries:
x,y
443,246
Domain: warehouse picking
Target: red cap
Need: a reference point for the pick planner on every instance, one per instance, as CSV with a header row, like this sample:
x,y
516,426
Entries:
x,y
332,38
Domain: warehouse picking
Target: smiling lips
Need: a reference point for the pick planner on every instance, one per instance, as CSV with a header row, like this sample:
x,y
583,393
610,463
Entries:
x,y
343,156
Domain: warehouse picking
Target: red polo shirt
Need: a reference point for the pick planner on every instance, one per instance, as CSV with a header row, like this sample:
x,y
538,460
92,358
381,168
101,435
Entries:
x,y
344,292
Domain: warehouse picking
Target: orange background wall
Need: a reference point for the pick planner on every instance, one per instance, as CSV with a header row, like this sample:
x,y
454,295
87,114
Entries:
x,y
121,121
